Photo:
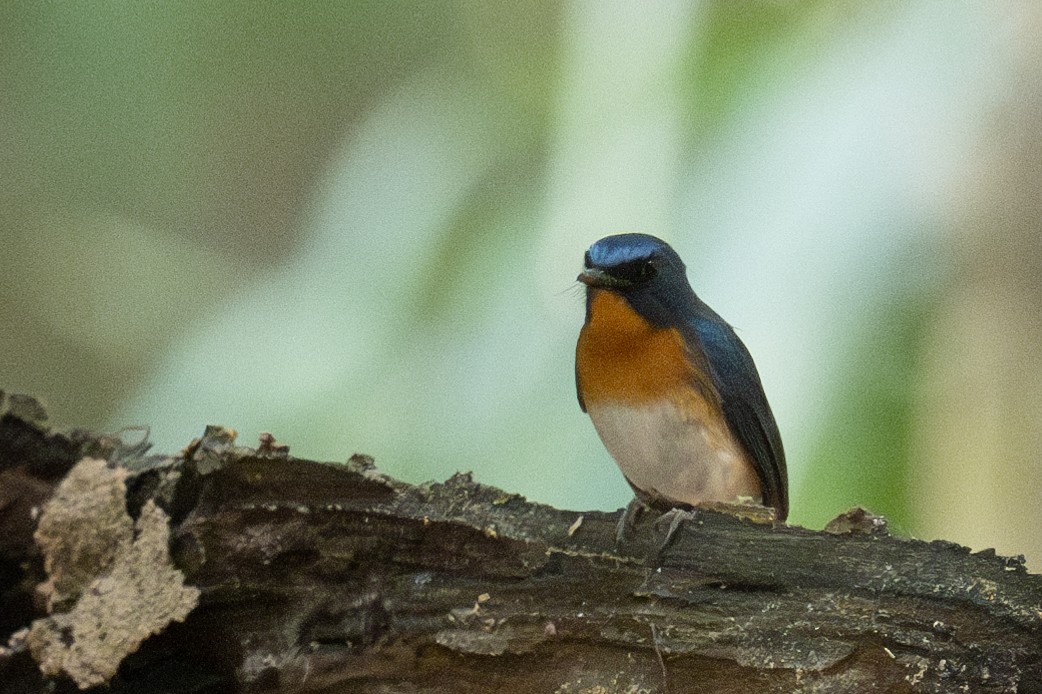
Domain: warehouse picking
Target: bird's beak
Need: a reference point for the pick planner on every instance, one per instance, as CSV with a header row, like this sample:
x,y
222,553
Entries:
x,y
592,277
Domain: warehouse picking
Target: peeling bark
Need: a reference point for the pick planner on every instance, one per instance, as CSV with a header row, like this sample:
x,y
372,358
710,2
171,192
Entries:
x,y
323,577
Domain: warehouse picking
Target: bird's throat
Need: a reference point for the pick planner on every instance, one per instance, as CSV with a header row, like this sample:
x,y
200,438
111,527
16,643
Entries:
x,y
621,357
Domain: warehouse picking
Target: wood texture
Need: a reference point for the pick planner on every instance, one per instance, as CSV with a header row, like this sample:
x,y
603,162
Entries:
x,y
323,577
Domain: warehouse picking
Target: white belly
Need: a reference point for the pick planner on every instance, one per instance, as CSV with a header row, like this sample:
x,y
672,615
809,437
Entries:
x,y
673,458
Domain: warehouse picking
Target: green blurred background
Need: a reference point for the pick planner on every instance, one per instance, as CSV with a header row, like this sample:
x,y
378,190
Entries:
x,y
357,226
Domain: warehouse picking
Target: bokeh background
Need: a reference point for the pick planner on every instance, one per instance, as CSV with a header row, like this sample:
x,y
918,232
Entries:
x,y
357,225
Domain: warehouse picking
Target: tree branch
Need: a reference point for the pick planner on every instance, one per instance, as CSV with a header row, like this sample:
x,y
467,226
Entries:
x,y
293,575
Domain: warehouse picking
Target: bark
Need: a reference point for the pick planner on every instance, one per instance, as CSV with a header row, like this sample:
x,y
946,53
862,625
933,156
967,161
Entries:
x,y
225,568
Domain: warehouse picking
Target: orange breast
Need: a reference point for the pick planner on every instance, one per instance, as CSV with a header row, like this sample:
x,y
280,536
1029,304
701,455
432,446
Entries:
x,y
622,358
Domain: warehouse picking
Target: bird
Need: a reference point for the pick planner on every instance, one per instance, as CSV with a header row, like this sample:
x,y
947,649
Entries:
x,y
671,389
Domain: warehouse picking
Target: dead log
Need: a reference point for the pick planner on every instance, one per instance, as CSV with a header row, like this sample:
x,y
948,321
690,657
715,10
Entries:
x,y
224,568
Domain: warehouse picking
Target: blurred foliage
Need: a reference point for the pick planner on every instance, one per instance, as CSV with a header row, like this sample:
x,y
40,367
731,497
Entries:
x,y
866,441
357,224
736,45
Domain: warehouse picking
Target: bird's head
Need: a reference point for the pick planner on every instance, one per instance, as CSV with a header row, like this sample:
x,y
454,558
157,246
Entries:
x,y
644,269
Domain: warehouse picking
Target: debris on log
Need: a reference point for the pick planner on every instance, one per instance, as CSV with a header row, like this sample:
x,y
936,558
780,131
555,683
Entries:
x,y
227,568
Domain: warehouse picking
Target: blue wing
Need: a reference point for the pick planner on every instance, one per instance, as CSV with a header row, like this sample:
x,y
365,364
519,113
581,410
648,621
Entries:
x,y
744,403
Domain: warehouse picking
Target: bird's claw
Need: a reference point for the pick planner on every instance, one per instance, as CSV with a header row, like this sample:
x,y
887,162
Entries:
x,y
628,519
675,517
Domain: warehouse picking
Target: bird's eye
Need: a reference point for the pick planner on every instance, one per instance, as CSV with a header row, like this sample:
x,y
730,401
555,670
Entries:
x,y
646,272
635,271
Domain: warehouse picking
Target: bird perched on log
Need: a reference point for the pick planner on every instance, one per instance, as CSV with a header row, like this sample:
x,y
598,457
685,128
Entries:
x,y
671,389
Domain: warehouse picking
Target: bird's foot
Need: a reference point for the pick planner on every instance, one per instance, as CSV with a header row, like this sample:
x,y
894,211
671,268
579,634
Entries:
x,y
628,519
675,518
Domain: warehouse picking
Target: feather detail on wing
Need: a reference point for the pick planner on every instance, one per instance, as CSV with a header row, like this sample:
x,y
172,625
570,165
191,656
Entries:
x,y
744,403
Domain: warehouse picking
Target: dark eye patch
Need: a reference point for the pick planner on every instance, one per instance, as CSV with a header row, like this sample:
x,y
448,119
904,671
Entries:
x,y
634,271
